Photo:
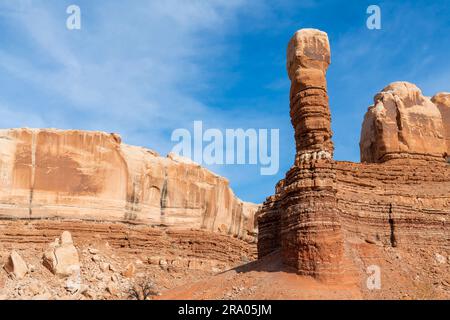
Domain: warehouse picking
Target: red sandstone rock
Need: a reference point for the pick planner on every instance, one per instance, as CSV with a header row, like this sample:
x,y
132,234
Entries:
x,y
402,123
129,271
16,265
302,218
308,57
330,218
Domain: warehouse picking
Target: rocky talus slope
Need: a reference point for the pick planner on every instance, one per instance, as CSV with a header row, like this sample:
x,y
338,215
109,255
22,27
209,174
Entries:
x,y
105,260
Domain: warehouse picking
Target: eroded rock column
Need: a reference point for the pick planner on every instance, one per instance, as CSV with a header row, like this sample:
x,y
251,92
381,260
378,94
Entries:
x,y
308,58
311,236
404,126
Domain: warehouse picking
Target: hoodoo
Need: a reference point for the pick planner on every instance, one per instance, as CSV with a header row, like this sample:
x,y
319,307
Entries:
x,y
310,233
341,230
308,58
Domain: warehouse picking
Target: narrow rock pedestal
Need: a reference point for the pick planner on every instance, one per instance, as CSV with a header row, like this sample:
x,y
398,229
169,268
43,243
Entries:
x,y
311,235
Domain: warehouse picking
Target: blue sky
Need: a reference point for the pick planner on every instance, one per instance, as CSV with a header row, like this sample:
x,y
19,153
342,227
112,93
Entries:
x,y
145,68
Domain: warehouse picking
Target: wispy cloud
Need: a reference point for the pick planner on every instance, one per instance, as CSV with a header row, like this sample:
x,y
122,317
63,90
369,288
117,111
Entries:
x,y
129,66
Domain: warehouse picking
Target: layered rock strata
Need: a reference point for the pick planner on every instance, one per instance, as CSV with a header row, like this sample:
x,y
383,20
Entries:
x,y
323,211
184,248
58,174
269,222
311,239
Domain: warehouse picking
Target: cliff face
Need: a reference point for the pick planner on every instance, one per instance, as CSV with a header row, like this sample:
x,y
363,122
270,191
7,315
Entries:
x,y
331,219
93,176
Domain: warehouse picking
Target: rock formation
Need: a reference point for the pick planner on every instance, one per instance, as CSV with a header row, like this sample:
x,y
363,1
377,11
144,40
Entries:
x,y
330,219
302,217
401,124
16,265
62,256
73,174
136,206
308,58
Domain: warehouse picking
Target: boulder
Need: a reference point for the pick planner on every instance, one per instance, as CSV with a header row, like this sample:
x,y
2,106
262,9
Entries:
x,y
16,266
129,271
440,258
402,124
62,257
104,267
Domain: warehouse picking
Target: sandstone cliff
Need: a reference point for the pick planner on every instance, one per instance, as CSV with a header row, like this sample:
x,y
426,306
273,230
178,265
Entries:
x,y
84,175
